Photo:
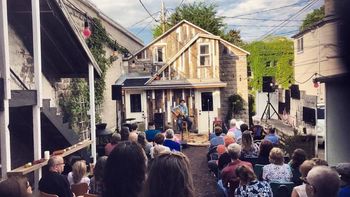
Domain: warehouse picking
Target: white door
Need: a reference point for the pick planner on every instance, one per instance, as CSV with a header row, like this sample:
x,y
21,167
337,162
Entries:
x,y
207,104
136,106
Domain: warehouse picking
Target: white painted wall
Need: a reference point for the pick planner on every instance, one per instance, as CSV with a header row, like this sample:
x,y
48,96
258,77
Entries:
x,y
139,116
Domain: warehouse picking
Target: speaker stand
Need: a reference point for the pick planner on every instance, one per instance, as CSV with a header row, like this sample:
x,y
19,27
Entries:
x,y
267,110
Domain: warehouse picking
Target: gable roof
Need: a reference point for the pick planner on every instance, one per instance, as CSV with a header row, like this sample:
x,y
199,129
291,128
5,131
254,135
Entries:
x,y
188,44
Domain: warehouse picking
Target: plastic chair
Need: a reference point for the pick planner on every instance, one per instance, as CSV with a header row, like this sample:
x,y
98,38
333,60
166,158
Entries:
x,y
43,194
252,160
258,170
80,189
283,189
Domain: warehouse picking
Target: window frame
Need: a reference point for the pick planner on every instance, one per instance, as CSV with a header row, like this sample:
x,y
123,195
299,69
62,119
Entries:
x,y
133,108
300,45
205,55
155,53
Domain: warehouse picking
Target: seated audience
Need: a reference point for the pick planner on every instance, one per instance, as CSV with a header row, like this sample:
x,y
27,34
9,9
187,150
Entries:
x,y
114,140
218,139
133,133
344,171
320,162
277,170
158,145
78,174
96,182
272,137
151,132
258,132
141,139
53,182
249,148
298,157
15,186
305,167
228,174
213,163
125,171
169,176
264,152
124,133
322,181
169,141
232,126
249,185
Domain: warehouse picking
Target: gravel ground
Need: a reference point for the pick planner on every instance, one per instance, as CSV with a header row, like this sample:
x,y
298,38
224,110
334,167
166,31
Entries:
x,y
204,182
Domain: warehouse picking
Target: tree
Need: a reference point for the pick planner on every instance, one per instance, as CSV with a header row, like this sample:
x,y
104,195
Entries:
x,y
270,57
200,14
312,18
233,36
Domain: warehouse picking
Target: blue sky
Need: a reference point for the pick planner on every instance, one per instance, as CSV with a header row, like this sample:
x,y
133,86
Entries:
x,y
250,16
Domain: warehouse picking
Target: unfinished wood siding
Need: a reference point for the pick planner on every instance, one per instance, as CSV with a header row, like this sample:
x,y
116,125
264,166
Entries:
x,y
233,66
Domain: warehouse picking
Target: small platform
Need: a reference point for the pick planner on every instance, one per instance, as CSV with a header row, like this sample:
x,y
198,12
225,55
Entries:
x,y
194,139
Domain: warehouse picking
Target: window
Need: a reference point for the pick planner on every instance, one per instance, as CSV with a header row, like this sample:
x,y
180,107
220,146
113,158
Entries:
x,y
204,56
135,102
159,54
300,44
207,101
142,55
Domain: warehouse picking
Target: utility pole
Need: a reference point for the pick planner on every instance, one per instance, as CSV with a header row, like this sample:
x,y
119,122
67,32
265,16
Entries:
x,y
162,17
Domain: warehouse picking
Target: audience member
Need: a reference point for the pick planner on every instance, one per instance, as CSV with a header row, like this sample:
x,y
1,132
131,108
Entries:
x,y
218,139
272,137
277,171
249,148
305,167
114,140
158,145
264,152
15,186
344,171
233,126
249,185
125,170
322,181
96,182
151,132
141,139
133,133
124,133
258,132
228,174
169,176
53,182
169,141
298,157
228,140
78,174
320,162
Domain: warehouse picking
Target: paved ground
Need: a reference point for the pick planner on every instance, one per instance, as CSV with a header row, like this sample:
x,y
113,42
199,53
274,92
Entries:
x,y
204,182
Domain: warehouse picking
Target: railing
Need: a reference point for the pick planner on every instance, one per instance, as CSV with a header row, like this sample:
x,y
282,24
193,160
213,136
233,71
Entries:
x,y
19,80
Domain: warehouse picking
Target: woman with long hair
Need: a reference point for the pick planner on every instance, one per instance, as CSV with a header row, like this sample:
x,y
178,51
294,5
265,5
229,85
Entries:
x,y
298,157
170,176
96,182
249,148
15,186
78,174
125,170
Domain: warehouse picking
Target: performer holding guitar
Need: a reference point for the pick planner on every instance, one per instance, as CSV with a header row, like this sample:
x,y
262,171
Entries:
x,y
181,113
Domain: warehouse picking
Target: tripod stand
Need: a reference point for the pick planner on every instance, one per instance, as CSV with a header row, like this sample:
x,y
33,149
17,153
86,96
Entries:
x,y
267,110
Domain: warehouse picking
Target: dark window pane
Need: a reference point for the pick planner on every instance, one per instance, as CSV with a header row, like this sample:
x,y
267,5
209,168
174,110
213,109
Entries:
x,y
204,49
207,101
320,113
135,102
160,54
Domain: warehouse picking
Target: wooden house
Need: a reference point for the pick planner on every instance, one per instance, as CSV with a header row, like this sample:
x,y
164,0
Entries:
x,y
186,62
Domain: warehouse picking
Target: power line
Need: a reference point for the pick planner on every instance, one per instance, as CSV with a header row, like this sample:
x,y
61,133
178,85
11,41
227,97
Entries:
x,y
264,19
140,21
144,7
144,27
267,10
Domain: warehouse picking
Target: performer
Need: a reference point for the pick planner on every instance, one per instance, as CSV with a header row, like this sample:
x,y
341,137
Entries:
x,y
182,115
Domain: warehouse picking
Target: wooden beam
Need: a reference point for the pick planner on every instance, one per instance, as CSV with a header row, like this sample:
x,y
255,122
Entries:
x,y
20,98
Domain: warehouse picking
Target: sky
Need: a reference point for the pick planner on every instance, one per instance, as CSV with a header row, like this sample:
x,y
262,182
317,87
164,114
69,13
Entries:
x,y
248,16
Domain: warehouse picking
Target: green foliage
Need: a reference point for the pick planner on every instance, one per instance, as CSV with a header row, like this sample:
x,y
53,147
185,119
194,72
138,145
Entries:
x,y
277,52
234,37
74,103
313,17
201,14
236,106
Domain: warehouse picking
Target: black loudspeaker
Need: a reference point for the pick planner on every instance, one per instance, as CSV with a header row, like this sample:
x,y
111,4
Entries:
x,y
116,92
309,116
294,91
2,94
159,121
268,84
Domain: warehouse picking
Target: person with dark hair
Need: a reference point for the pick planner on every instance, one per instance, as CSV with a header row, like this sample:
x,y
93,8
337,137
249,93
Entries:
x,y
249,185
344,171
151,132
169,176
249,148
158,145
15,186
125,170
96,182
298,157
116,137
141,139
124,133
272,137
264,152
322,181
133,132
53,182
320,162
181,113
218,139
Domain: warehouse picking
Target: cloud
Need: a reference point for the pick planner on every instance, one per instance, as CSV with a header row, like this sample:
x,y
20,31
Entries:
x,y
129,12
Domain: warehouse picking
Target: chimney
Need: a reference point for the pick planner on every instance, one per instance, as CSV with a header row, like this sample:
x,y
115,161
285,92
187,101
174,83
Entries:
x,y
329,8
